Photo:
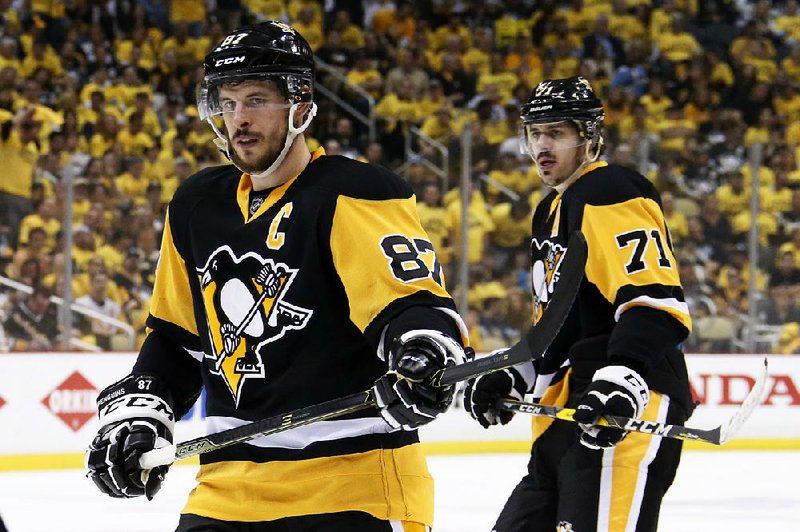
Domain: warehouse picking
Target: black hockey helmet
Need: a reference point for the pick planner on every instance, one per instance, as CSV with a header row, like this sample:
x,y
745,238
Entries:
x,y
267,51
556,100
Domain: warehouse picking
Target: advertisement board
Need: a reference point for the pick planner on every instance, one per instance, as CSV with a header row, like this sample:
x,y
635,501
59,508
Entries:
x,y
48,413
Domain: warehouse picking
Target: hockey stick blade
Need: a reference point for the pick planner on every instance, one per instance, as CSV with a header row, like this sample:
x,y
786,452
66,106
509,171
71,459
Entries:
x,y
718,435
533,344
538,338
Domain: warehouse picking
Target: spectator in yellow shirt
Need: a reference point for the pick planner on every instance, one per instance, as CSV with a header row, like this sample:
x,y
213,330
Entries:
x,y
675,129
677,45
310,26
792,246
35,249
512,228
454,26
498,75
18,153
565,61
433,217
787,104
184,46
504,178
133,138
43,56
640,124
150,122
131,184
477,58
733,196
479,225
398,110
46,218
351,34
442,126
656,100
365,76
791,64
579,17
189,13
139,50
81,282
8,53
105,136
523,59
182,170
623,24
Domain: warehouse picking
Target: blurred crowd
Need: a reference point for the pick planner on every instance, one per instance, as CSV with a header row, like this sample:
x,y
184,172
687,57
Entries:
x,y
702,97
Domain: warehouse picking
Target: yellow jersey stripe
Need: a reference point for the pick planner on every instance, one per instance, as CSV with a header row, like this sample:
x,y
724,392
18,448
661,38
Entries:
x,y
172,284
366,225
624,473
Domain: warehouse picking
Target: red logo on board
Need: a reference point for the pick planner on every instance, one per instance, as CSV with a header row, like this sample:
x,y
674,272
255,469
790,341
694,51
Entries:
x,y
2,402
73,401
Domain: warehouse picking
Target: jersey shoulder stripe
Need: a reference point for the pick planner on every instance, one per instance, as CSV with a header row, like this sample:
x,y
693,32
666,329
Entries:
x,y
612,184
340,176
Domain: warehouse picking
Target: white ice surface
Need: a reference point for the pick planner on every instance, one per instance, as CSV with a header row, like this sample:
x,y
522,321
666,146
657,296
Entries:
x,y
725,491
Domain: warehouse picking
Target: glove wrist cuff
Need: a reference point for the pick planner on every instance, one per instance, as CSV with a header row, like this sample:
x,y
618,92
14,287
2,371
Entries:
x,y
446,348
629,379
136,396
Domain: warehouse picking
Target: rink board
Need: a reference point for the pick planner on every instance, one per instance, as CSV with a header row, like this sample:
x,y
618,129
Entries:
x,y
48,413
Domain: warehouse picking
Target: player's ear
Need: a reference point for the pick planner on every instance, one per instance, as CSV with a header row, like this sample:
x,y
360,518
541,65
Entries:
x,y
301,114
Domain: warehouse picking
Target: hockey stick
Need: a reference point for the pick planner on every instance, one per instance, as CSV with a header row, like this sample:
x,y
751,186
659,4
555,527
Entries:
x,y
717,435
251,312
533,344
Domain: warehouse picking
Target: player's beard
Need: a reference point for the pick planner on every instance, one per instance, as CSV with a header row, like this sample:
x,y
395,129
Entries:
x,y
271,151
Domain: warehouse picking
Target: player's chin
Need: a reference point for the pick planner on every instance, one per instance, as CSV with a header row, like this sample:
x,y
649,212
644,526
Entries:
x,y
253,162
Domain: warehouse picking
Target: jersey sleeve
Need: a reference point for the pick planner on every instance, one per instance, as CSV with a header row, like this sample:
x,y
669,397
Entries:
x,y
631,263
630,258
385,260
171,307
172,348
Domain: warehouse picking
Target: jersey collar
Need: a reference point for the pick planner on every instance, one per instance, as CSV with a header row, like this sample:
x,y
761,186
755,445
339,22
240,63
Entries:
x,y
246,186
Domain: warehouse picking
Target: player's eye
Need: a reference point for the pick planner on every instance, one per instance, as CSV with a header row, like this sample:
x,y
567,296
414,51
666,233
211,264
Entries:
x,y
228,106
257,102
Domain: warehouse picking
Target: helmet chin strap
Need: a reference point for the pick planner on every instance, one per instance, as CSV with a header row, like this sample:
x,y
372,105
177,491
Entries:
x,y
224,145
290,136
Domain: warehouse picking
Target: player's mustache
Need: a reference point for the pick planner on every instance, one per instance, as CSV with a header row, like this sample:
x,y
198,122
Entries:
x,y
244,133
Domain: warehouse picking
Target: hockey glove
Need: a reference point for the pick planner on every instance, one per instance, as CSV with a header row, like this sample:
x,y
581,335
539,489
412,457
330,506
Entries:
x,y
404,395
483,391
135,417
616,391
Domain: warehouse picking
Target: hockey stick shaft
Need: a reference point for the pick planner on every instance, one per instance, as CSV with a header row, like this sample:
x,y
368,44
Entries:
x,y
717,435
537,338
264,427
533,344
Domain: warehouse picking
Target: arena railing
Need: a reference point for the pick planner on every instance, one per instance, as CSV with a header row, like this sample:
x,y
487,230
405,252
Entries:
x,y
367,120
127,329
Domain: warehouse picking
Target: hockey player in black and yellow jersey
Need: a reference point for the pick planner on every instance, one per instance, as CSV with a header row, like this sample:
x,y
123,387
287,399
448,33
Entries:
x,y
286,279
619,350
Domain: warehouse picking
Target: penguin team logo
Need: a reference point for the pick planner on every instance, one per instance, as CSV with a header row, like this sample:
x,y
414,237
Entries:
x,y
564,526
244,298
546,258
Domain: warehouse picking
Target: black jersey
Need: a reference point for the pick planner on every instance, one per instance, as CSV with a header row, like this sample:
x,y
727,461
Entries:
x,y
350,254
630,308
